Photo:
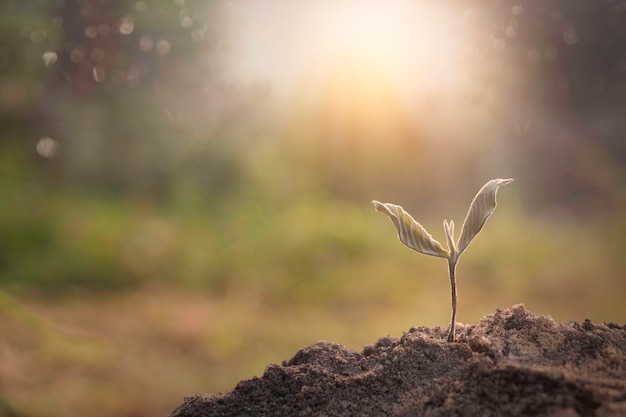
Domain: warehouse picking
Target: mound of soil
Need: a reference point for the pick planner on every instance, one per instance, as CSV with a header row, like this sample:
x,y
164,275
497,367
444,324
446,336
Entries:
x,y
510,363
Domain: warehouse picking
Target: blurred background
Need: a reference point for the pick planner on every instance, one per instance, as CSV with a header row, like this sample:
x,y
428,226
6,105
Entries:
x,y
185,185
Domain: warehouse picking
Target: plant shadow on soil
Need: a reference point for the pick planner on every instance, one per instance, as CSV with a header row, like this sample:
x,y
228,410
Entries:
x,y
511,362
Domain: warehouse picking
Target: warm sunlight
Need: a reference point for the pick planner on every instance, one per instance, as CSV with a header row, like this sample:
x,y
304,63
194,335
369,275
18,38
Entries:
x,y
409,46
186,190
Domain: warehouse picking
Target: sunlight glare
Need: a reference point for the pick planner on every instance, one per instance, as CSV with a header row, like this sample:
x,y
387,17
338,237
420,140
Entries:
x,y
411,45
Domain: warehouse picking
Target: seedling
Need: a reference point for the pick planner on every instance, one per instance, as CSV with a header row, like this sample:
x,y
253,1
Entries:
x,y
414,236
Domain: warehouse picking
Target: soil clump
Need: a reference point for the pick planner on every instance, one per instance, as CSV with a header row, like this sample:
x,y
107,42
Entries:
x,y
511,363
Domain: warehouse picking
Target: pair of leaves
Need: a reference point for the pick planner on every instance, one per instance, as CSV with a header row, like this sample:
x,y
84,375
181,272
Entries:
x,y
413,234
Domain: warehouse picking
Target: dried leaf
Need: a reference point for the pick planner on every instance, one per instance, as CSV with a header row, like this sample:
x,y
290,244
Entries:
x,y
482,206
410,232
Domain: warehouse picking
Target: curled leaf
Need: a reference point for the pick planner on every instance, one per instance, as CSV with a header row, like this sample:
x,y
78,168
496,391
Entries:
x,y
482,206
448,227
410,232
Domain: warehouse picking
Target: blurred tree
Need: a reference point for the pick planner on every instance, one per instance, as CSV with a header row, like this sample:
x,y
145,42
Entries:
x,y
127,91
561,86
128,95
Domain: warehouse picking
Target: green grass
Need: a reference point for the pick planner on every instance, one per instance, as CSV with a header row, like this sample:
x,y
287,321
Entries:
x,y
114,307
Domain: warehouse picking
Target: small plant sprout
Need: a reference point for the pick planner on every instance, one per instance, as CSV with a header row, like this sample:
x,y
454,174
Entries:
x,y
413,235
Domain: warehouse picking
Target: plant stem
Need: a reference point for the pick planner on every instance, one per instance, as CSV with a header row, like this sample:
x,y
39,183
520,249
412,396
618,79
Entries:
x,y
451,271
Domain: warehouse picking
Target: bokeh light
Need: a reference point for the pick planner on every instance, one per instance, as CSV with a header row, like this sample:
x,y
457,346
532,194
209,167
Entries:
x,y
186,184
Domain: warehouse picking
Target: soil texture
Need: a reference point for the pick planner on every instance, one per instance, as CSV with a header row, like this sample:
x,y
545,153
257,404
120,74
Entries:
x,y
511,363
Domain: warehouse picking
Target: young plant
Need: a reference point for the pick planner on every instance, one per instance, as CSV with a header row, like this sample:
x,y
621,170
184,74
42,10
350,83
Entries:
x,y
413,235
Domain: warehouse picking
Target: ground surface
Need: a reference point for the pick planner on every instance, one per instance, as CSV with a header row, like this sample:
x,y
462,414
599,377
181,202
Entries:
x,y
510,363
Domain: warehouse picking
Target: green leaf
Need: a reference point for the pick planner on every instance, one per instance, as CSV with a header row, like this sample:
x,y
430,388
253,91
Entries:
x,y
482,206
410,232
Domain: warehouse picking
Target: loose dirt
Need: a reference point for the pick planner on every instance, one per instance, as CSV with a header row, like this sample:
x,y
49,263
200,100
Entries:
x,y
511,363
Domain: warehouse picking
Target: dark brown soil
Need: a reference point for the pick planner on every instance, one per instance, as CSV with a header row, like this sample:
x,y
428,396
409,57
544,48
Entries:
x,y
512,363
